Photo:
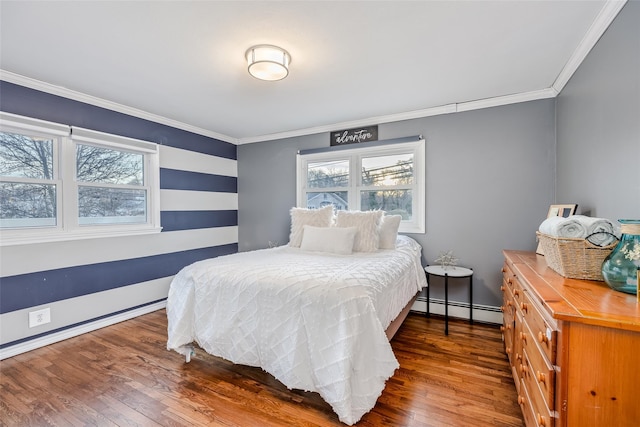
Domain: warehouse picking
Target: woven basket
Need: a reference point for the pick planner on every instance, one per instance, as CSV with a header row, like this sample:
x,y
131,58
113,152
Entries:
x,y
574,258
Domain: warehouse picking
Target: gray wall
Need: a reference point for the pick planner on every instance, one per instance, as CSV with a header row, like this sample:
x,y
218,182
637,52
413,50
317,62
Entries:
x,y
598,128
490,181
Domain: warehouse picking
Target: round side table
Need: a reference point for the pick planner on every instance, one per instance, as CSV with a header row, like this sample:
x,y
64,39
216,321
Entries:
x,y
452,271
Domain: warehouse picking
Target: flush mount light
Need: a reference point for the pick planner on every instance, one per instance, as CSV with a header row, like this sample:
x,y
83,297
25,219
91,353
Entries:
x,y
267,62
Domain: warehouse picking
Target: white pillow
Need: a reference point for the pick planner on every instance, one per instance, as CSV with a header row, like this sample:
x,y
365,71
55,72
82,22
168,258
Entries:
x,y
300,217
389,231
328,239
367,224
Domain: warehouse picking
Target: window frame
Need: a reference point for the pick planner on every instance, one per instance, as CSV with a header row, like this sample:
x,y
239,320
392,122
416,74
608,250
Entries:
x,y
64,165
354,156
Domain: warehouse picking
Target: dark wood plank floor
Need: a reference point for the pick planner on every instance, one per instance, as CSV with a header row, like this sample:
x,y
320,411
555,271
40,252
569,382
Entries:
x,y
123,375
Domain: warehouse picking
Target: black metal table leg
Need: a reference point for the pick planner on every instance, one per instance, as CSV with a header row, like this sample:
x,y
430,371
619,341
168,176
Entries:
x,y
446,304
471,299
428,296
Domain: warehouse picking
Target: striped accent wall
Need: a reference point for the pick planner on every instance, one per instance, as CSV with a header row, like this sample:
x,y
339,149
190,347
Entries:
x,y
85,281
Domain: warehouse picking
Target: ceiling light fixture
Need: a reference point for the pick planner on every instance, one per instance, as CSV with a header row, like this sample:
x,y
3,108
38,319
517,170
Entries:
x,y
267,62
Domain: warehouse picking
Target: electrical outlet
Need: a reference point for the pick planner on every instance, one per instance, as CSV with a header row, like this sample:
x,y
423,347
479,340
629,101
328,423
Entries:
x,y
40,317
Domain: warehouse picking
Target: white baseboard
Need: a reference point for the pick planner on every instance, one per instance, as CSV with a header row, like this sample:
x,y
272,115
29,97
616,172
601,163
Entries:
x,y
55,337
460,310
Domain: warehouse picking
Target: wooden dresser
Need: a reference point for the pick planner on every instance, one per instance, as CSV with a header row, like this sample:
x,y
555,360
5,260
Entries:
x,y
573,346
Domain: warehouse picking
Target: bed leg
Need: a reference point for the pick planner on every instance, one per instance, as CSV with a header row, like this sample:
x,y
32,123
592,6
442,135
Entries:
x,y
190,351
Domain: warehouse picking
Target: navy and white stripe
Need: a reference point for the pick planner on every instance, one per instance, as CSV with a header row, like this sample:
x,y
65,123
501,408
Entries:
x,y
85,280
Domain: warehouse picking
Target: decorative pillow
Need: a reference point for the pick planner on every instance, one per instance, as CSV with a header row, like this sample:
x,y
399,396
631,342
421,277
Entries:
x,y
367,224
389,231
328,239
300,217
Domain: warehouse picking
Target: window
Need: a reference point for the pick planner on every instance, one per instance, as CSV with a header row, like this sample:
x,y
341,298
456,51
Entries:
x,y
62,183
389,177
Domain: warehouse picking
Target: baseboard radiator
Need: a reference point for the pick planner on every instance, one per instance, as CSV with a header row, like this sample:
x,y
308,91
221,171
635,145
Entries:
x,y
460,310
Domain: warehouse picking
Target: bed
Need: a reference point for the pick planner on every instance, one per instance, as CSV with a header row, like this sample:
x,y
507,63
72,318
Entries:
x,y
315,321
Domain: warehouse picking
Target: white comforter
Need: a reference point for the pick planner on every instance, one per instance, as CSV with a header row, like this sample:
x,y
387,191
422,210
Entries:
x,y
314,321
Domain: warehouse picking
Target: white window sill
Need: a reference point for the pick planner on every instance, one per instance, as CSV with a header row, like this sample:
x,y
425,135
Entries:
x,y
6,239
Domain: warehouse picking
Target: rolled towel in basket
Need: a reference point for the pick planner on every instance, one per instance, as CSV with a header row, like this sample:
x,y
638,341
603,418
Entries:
x,y
558,226
600,231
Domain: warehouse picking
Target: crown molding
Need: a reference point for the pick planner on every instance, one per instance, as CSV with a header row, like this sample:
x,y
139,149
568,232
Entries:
x,y
506,100
606,16
415,114
21,80
435,111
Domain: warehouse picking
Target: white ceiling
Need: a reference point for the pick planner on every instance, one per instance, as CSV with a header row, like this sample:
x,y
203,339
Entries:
x,y
353,62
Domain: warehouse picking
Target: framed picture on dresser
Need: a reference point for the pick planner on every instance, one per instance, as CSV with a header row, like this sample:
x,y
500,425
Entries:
x,y
558,210
562,210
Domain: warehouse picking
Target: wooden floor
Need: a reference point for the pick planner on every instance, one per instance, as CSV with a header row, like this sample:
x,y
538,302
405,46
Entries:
x,y
123,375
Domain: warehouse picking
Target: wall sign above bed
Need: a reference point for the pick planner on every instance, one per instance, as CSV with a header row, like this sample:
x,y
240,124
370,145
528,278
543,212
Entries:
x,y
354,136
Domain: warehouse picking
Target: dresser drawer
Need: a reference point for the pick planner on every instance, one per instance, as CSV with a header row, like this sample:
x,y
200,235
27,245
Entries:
x,y
507,276
542,372
518,293
542,415
507,328
517,345
525,405
540,330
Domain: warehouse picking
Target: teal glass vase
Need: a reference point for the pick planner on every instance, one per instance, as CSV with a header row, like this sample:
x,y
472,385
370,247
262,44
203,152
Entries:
x,y
620,268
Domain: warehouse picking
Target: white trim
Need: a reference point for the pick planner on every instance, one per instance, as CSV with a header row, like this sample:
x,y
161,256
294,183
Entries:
x,y
115,141
14,350
606,16
415,114
506,100
14,121
18,79
46,236
435,111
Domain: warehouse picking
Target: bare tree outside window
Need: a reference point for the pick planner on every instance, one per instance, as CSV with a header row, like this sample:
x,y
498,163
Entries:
x,y
107,181
26,164
111,174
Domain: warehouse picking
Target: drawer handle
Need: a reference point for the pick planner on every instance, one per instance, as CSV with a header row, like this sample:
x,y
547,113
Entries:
x,y
518,356
509,327
508,350
501,328
516,292
504,270
524,307
502,308
520,400
523,337
541,420
502,288
509,281
524,369
542,338
541,377
509,303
